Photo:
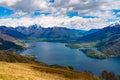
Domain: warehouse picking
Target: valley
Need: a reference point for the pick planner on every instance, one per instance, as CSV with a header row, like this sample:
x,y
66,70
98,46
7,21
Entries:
x,y
59,39
77,46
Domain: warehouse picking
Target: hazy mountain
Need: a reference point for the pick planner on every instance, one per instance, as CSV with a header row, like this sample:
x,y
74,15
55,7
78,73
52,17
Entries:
x,y
7,38
108,40
91,31
12,33
107,33
34,29
57,34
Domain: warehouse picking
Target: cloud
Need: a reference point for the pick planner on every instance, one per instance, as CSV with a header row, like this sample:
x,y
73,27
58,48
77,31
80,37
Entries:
x,y
25,5
59,21
8,3
58,9
83,7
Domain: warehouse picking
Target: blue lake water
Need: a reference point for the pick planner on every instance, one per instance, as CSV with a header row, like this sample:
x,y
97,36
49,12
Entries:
x,y
57,53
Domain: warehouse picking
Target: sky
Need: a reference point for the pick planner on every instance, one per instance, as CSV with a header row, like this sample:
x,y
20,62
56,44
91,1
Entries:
x,y
77,14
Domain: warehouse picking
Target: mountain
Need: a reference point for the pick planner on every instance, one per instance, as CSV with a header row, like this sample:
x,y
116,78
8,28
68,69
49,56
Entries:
x,y
12,33
110,48
108,40
91,31
107,33
31,30
54,34
8,45
7,38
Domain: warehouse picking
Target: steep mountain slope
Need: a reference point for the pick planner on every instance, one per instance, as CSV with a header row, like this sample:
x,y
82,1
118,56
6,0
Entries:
x,y
22,68
108,40
34,29
7,38
110,48
7,45
107,33
12,33
90,31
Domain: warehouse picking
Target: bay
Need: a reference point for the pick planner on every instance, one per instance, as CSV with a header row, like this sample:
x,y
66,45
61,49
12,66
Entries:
x,y
58,53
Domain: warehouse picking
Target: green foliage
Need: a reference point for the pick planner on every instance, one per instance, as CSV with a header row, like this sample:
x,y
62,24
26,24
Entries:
x,y
81,45
93,54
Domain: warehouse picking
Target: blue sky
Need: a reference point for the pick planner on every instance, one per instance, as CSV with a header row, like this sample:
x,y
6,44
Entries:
x,y
79,14
4,12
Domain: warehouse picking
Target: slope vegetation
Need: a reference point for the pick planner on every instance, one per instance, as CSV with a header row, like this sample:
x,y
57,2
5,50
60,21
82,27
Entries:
x,y
22,68
107,40
7,45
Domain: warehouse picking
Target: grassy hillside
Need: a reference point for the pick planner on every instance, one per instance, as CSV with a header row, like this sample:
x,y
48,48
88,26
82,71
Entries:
x,y
13,57
24,71
17,67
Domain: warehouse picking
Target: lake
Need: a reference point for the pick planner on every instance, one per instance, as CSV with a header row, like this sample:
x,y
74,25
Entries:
x,y
58,53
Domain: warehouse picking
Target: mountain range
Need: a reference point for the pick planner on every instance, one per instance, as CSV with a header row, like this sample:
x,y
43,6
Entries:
x,y
107,39
55,34
12,33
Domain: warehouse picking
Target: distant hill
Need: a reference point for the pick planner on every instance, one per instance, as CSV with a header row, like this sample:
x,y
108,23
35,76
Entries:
x,y
7,38
102,34
108,40
90,31
12,33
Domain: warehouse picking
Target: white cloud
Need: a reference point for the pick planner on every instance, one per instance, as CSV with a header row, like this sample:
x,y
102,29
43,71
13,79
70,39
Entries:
x,y
25,5
59,21
8,3
19,14
58,9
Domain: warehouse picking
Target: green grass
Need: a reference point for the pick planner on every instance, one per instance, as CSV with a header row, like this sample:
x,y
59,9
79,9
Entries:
x,y
93,54
20,42
81,45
